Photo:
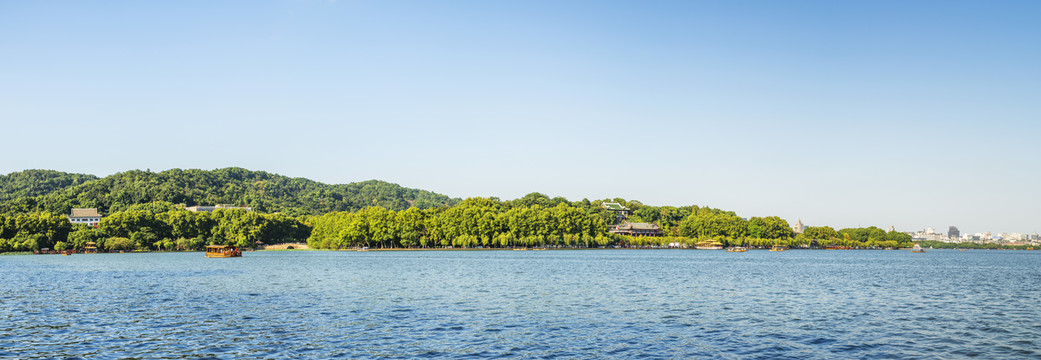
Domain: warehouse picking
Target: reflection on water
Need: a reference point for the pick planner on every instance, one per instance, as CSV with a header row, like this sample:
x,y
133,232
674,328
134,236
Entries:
x,y
566,304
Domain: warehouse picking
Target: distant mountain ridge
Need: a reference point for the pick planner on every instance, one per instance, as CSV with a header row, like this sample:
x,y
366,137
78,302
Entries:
x,y
59,192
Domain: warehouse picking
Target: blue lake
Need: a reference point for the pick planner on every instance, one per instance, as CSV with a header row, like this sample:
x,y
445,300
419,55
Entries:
x,y
524,304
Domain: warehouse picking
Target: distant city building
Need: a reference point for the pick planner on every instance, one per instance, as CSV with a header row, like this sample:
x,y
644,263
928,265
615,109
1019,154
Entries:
x,y
953,232
891,228
636,229
198,208
1013,236
87,216
928,235
799,227
620,212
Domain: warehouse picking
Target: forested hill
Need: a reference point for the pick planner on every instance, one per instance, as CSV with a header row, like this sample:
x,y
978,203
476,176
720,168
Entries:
x,y
57,192
32,183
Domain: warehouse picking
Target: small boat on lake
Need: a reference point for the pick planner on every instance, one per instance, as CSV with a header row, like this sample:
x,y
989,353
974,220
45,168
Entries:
x,y
737,249
709,245
917,249
222,251
779,248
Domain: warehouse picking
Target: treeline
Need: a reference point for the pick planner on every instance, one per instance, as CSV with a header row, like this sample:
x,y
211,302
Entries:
x,y
537,220
971,245
57,193
731,230
157,226
477,222
860,237
533,220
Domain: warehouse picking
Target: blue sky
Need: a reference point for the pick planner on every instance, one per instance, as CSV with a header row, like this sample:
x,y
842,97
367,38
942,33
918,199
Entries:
x,y
907,113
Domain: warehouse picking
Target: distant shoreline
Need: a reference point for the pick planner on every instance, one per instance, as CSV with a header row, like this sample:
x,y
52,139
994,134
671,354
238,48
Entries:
x,y
491,249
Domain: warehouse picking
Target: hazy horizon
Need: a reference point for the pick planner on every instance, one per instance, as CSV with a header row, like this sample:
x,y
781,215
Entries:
x,y
842,114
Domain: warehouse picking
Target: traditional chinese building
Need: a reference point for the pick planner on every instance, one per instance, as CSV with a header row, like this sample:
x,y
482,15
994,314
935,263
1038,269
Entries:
x,y
636,229
88,216
620,212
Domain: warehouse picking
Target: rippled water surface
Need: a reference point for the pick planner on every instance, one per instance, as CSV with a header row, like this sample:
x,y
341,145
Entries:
x,y
528,304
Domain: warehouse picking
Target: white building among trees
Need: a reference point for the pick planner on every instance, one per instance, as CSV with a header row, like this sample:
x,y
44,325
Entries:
x,y
87,216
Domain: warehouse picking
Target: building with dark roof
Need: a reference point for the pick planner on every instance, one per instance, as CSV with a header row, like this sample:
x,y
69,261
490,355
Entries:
x,y
636,229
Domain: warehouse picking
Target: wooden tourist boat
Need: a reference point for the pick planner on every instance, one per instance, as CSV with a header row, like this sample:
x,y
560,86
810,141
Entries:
x,y
737,249
917,249
222,251
779,248
709,245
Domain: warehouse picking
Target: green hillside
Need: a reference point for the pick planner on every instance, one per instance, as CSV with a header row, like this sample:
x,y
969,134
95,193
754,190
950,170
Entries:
x,y
30,183
57,192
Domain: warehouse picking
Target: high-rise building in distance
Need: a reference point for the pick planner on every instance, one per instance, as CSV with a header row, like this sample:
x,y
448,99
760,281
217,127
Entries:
x,y
953,232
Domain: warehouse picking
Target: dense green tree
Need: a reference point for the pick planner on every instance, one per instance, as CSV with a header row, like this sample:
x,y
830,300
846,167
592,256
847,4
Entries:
x,y
868,236
898,239
709,224
122,224
144,238
119,243
187,224
410,226
32,183
770,227
820,233
82,234
34,231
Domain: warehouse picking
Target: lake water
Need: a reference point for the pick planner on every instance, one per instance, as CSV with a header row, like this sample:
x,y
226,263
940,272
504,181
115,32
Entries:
x,y
524,304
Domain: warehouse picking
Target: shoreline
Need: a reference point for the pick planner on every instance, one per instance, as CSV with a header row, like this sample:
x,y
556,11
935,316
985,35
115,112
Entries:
x,y
492,249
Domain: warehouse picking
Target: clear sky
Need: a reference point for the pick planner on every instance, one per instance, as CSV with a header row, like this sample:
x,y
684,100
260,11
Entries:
x,y
907,113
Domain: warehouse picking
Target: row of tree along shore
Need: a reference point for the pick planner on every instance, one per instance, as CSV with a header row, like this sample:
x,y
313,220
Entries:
x,y
532,221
